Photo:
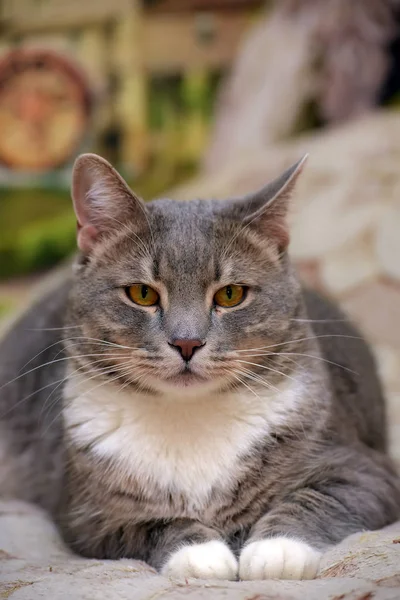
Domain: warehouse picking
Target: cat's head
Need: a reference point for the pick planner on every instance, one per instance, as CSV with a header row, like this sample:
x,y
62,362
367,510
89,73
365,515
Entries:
x,y
179,296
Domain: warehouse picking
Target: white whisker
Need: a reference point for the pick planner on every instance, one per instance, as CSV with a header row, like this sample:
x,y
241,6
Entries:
x,y
320,320
51,362
53,328
331,362
25,398
245,384
138,240
63,341
119,376
312,337
287,354
265,367
256,378
97,370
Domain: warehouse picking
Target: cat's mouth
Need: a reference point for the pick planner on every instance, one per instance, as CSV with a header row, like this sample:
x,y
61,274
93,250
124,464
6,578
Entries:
x,y
186,378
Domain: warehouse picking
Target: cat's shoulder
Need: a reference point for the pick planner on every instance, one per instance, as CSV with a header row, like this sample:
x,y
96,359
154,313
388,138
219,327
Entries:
x,y
38,325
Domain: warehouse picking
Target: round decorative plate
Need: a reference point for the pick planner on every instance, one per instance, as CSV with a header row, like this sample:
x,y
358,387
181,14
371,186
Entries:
x,y
44,109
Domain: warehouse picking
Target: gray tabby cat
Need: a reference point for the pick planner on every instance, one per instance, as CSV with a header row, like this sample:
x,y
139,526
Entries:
x,y
199,410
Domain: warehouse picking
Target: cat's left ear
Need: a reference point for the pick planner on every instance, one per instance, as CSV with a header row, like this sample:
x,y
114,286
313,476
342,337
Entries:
x,y
267,209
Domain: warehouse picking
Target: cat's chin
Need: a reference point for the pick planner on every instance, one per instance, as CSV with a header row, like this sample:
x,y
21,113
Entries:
x,y
186,384
186,379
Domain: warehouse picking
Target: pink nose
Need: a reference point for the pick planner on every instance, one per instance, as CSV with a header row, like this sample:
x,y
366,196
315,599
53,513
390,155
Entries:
x,y
186,348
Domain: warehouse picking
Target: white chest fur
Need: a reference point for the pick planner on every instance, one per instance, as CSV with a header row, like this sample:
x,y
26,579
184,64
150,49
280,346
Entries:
x,y
183,447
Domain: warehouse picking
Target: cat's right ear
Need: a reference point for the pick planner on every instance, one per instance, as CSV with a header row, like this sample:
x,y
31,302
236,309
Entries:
x,y
103,202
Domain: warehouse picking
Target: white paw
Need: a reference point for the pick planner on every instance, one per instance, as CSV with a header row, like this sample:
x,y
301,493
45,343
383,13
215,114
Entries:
x,y
278,558
211,560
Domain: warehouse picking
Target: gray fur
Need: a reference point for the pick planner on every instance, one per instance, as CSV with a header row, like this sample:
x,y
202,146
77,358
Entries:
x,y
320,475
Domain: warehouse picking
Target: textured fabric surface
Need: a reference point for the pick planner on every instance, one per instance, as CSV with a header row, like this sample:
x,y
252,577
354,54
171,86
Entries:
x,y
35,565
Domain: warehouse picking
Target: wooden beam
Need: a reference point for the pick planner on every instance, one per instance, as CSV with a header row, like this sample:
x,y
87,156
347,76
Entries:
x,y
19,17
176,43
165,6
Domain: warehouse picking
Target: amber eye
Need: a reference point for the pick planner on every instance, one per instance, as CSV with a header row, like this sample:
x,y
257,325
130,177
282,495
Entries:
x,y
142,294
229,296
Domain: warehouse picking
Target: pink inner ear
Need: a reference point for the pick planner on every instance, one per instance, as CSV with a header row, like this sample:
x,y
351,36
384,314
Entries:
x,y
86,237
278,230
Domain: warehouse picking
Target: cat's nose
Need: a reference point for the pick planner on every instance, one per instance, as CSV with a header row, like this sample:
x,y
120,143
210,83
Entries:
x,y
186,348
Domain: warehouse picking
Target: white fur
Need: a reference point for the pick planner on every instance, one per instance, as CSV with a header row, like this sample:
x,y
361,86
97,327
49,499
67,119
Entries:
x,y
211,560
166,443
278,558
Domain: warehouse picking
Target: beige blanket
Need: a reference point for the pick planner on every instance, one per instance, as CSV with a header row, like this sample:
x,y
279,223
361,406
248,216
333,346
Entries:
x,y
35,565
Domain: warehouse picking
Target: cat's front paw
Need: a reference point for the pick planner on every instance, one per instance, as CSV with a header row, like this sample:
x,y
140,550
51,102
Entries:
x,y
211,560
278,558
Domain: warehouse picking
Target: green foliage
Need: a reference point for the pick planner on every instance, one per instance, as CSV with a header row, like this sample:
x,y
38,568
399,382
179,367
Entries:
x,y
394,101
22,206
6,307
37,246
161,177
38,227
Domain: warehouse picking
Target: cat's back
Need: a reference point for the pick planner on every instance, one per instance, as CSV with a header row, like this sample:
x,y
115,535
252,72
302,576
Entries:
x,y
352,369
31,377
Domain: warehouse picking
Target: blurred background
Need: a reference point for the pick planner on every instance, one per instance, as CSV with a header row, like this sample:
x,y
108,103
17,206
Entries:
x,y
211,98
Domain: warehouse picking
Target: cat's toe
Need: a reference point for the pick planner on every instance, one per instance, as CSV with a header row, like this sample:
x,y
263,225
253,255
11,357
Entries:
x,y
211,560
278,558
